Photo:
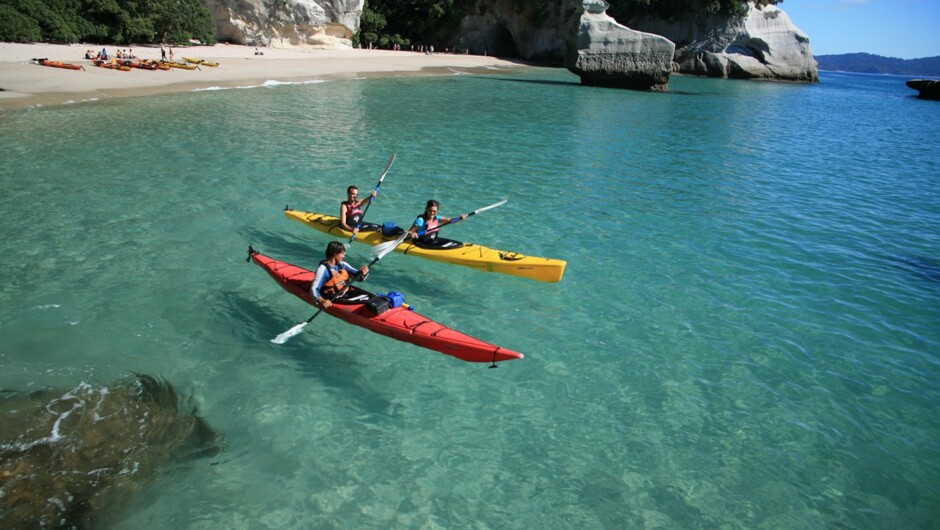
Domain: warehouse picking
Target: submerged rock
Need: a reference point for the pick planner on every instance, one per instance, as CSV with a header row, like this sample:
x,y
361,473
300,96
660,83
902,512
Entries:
x,y
70,458
605,53
928,88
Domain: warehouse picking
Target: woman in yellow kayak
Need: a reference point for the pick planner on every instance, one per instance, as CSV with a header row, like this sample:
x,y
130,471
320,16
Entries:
x,y
350,210
334,275
425,227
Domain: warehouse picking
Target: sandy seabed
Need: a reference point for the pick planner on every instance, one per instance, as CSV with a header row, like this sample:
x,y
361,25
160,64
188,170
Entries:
x,y
24,83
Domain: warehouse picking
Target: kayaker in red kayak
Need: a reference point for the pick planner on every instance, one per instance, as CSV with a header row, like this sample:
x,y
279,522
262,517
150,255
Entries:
x,y
428,223
334,275
350,210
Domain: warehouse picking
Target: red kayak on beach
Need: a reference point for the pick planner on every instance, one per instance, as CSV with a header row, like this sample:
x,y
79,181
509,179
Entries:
x,y
365,309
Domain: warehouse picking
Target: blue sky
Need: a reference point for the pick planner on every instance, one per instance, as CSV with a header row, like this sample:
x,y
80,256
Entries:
x,y
908,29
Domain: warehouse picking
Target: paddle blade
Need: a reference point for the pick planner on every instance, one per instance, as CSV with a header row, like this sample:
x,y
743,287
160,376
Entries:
x,y
387,167
284,337
380,250
485,208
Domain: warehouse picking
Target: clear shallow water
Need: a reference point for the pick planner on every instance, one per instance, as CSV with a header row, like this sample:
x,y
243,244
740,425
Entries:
x,y
746,335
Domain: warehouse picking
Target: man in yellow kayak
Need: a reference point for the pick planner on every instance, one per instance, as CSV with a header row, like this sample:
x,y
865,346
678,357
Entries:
x,y
350,210
425,227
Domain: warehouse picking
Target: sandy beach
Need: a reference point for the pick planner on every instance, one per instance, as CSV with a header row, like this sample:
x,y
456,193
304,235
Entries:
x,y
23,83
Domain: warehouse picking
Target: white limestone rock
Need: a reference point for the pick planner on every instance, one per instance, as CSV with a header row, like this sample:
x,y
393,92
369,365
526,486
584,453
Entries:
x,y
286,23
763,44
605,53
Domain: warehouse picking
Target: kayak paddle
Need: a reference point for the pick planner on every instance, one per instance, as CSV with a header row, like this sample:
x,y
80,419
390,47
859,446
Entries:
x,y
376,190
388,246
284,337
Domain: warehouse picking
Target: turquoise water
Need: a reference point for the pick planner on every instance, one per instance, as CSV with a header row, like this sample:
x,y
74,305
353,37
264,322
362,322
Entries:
x,y
746,336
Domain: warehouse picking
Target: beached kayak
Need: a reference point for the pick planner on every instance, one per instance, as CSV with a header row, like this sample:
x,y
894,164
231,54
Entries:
x,y
160,65
58,64
446,250
112,65
144,65
182,66
399,322
203,62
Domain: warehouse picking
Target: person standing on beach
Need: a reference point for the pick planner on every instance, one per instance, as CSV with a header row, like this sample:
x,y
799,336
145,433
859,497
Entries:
x,y
428,223
171,54
350,210
162,52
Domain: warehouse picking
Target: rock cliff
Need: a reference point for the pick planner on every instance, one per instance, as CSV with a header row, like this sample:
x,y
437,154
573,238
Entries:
x,y
928,88
604,53
503,28
763,44
286,23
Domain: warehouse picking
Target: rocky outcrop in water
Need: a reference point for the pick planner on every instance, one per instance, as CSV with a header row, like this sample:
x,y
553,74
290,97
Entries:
x,y
764,44
286,23
71,458
604,53
928,88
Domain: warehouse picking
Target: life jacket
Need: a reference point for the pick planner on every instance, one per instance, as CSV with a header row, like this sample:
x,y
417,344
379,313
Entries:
x,y
430,228
337,281
353,213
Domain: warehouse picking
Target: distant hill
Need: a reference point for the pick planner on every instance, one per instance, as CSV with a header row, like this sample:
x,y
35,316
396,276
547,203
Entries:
x,y
866,63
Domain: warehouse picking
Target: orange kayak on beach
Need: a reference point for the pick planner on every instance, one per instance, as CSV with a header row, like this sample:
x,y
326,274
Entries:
x,y
59,64
112,65
150,64
144,65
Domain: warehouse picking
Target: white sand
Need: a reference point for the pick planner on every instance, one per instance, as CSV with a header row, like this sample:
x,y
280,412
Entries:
x,y
26,83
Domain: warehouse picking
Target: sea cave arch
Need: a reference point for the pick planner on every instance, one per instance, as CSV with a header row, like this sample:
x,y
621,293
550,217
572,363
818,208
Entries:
x,y
495,40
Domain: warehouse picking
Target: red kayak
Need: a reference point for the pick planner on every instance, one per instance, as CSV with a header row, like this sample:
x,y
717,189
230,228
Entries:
x,y
400,323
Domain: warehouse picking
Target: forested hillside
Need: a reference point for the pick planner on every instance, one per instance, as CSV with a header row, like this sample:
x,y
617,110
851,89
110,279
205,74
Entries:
x,y
105,21
866,63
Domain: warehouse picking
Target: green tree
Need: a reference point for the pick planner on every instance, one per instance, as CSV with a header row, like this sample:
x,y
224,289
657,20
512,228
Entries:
x,y
623,10
371,24
17,27
406,21
107,21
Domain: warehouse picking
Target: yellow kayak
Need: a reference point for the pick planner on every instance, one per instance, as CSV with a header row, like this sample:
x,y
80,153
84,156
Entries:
x,y
183,66
202,62
446,250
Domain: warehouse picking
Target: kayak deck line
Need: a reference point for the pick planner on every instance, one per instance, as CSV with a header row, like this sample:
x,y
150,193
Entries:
x,y
400,323
471,255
